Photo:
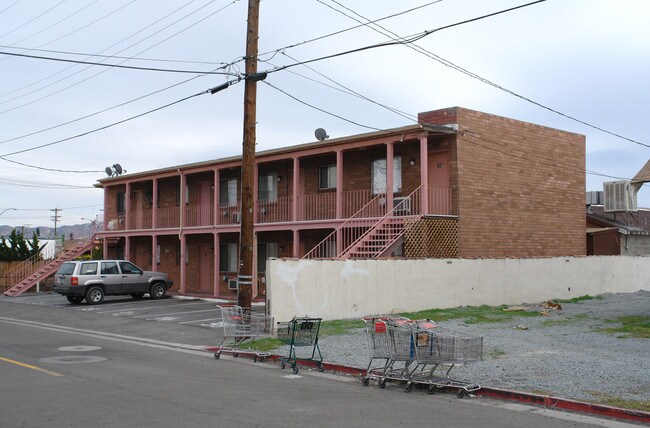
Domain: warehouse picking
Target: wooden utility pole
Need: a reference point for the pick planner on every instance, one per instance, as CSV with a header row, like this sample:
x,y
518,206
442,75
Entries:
x,y
245,277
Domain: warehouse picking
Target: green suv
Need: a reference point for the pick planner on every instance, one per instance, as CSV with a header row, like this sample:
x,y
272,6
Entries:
x,y
93,279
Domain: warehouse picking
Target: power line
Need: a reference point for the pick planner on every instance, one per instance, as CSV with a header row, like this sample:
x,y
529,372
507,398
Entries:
x,y
33,19
122,50
212,90
129,67
450,64
90,55
9,7
320,109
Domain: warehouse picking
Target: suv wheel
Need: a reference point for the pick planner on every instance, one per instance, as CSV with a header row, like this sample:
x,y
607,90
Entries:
x,y
94,295
157,291
75,300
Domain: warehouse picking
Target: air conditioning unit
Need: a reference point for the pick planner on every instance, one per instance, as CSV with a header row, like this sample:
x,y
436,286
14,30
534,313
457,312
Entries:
x,y
619,196
402,205
232,284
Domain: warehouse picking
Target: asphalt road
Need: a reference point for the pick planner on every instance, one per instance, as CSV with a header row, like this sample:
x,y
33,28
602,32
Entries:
x,y
128,363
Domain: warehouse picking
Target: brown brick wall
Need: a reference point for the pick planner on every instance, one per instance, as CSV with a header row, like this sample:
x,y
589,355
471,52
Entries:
x,y
520,188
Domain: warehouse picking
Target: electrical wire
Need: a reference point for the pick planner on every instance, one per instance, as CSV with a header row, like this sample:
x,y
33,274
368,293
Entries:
x,y
128,47
130,67
318,108
33,19
86,54
450,64
207,91
9,7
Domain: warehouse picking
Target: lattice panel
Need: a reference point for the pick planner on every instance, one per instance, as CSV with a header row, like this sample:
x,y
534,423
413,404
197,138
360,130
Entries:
x,y
431,237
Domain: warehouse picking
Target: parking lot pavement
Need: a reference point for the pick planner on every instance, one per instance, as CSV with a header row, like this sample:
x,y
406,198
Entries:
x,y
199,313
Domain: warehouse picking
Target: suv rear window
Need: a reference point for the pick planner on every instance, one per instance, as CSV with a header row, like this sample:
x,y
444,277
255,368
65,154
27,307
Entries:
x,y
66,269
88,269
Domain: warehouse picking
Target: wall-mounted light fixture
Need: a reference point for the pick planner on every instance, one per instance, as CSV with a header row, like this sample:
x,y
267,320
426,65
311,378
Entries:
x,y
279,177
412,162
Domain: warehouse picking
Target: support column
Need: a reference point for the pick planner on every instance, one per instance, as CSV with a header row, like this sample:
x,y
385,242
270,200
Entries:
x,y
256,195
106,215
127,207
296,244
339,184
217,191
183,264
424,175
181,215
127,248
154,206
294,189
105,246
154,252
217,276
389,176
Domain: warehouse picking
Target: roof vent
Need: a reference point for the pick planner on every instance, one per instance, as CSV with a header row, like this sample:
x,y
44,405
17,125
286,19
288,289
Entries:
x,y
619,196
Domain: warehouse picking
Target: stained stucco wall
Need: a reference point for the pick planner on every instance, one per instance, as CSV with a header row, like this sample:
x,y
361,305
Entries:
x,y
337,289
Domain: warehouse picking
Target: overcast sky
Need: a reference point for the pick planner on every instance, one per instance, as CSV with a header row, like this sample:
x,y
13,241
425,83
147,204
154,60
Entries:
x,y
586,59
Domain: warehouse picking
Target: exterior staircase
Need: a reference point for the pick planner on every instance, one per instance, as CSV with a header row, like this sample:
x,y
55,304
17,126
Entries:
x,y
360,237
41,271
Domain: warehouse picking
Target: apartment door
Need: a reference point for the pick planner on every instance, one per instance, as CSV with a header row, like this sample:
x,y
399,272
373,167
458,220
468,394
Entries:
x,y
205,266
205,189
439,192
141,256
137,210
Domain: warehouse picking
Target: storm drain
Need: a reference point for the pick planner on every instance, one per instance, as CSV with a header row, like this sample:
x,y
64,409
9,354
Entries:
x,y
73,359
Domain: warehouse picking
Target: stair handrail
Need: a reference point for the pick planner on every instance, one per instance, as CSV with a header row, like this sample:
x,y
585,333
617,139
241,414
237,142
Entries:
x,y
24,269
379,222
318,246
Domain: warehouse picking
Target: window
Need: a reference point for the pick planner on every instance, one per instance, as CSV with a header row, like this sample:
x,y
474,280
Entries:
x,y
129,268
228,192
327,177
110,268
121,203
268,187
88,269
228,257
378,172
264,251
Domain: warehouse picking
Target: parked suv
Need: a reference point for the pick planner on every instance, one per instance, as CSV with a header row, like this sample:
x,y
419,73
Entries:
x,y
92,279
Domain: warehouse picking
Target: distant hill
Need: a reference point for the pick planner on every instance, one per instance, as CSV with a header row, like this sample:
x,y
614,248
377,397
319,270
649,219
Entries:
x,y
78,231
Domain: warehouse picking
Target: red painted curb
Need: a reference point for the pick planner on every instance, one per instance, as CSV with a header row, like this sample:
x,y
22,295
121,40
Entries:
x,y
502,394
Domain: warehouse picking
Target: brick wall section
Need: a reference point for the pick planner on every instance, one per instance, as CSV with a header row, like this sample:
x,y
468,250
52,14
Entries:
x,y
520,186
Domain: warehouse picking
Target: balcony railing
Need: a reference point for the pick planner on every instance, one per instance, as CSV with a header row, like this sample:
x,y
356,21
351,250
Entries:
x,y
312,207
274,211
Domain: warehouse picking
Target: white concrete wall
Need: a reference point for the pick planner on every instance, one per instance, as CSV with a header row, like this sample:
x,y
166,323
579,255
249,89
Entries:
x,y
337,289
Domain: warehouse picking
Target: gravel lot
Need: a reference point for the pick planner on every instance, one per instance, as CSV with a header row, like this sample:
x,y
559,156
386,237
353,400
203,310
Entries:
x,y
560,355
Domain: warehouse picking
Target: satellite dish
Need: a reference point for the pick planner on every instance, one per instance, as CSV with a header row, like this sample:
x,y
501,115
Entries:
x,y
109,171
118,169
321,134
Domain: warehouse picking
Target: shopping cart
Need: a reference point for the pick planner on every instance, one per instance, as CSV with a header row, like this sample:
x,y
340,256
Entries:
x,y
240,326
384,343
300,332
436,346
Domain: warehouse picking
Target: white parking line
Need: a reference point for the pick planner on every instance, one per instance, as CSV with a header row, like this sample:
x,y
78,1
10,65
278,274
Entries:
x,y
173,313
208,319
148,307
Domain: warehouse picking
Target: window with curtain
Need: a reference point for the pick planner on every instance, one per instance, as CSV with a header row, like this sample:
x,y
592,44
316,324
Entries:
x,y
264,251
267,187
378,175
228,192
327,177
228,257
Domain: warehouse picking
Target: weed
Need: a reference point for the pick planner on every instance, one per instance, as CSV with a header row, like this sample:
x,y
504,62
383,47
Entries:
x,y
610,400
266,344
581,299
637,326
565,321
336,327
471,314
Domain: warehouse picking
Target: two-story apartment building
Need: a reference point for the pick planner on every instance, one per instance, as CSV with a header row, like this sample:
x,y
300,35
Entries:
x,y
464,184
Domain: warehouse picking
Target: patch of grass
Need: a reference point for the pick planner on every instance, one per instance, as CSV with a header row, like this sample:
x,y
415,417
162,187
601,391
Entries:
x,y
610,400
496,354
471,314
637,326
336,327
581,299
565,321
264,345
